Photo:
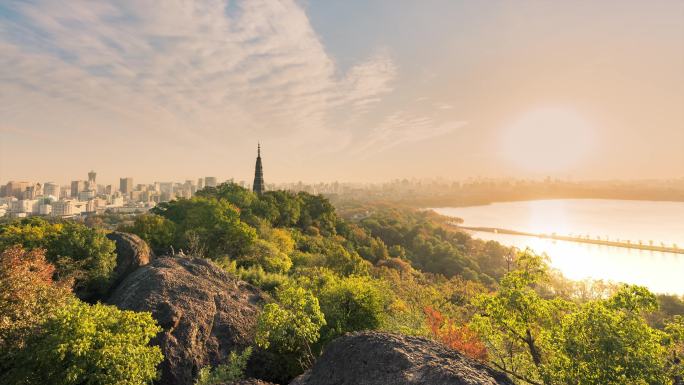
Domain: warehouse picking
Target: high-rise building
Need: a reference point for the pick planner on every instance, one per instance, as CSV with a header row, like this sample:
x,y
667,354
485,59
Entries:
x,y
258,185
76,187
200,183
126,185
210,181
92,184
33,191
51,189
16,189
65,192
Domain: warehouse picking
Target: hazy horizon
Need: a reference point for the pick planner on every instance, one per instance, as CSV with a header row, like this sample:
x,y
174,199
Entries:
x,y
114,180
356,91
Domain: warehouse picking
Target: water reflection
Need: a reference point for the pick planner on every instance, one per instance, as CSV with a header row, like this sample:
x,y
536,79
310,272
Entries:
x,y
624,220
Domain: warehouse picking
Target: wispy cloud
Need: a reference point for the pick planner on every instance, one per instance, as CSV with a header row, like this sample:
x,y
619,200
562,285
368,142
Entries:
x,y
405,127
194,69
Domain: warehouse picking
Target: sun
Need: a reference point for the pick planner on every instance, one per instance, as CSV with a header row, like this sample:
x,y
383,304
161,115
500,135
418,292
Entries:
x,y
545,140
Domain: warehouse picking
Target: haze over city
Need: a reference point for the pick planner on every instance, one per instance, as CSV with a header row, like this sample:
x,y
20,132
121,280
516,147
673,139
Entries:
x,y
353,90
309,192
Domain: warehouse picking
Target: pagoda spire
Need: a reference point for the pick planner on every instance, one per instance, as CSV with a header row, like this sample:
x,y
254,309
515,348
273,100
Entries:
x,y
258,185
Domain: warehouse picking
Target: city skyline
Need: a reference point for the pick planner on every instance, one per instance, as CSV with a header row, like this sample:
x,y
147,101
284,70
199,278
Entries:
x,y
353,91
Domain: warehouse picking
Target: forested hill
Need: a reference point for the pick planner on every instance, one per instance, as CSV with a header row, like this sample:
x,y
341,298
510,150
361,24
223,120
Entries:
x,y
324,273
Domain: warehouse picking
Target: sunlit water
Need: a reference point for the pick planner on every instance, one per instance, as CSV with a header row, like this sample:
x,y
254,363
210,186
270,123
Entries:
x,y
613,219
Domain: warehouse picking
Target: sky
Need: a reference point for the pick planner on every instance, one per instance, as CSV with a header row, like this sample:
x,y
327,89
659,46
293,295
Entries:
x,y
345,90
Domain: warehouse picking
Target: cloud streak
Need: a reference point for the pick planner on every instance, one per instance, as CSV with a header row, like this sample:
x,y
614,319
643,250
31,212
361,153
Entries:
x,y
405,127
194,70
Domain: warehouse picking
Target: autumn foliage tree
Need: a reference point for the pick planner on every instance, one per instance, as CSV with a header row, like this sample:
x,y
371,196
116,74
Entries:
x,y
460,338
28,295
48,336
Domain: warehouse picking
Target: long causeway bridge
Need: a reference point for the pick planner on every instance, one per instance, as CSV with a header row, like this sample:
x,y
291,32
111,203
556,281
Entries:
x,y
603,242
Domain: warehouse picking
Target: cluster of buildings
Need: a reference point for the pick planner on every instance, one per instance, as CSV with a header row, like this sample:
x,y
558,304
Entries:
x,y
83,197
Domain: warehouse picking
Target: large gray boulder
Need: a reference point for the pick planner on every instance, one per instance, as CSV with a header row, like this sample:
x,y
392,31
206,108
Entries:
x,y
205,313
131,253
375,358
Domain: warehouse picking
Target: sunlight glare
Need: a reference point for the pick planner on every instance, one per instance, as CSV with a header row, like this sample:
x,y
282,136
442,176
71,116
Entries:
x,y
549,139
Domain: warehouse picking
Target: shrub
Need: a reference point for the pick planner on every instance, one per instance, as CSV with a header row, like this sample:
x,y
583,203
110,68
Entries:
x,y
352,304
292,325
260,278
226,373
268,256
90,344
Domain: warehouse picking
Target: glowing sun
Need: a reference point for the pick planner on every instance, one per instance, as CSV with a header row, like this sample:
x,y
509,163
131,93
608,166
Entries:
x,y
547,139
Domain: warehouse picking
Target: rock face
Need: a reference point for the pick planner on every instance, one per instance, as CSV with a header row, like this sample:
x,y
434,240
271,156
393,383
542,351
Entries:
x,y
249,381
374,358
205,312
131,253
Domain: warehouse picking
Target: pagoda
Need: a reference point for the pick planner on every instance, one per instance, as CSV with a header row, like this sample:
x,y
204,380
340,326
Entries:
x,y
258,185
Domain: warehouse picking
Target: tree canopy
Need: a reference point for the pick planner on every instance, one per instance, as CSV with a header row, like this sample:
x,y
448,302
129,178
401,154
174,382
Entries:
x,y
77,251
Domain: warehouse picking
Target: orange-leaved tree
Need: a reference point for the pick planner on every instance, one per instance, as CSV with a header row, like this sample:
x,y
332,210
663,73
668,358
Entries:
x,y
460,338
28,294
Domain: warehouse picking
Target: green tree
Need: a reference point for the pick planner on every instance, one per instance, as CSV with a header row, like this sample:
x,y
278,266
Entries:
x,y
268,256
90,344
329,252
239,196
431,245
512,321
85,254
353,303
280,238
266,208
554,342
675,345
31,233
209,225
291,325
608,342
318,212
284,208
156,230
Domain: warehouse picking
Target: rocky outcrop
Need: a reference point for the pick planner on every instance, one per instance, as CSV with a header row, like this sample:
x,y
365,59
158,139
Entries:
x,y
131,253
249,381
205,313
374,358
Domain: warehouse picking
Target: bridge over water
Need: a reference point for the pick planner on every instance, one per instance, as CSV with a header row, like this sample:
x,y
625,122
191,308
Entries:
x,y
603,242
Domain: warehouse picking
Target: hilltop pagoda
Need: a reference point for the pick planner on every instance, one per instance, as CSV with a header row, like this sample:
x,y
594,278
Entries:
x,y
258,185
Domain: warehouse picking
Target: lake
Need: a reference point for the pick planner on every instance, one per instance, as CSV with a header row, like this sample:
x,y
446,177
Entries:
x,y
660,222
